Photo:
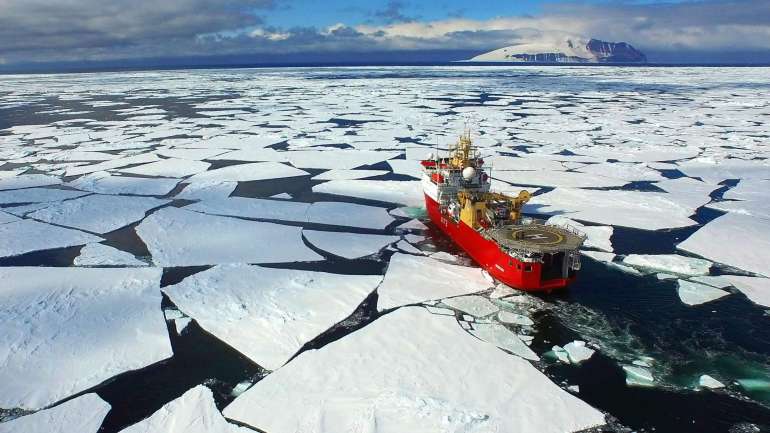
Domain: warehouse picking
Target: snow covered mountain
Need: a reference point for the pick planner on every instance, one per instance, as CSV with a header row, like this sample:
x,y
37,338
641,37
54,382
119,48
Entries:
x,y
566,50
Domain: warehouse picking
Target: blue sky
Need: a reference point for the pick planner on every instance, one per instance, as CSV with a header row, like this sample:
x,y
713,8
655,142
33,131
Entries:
x,y
253,31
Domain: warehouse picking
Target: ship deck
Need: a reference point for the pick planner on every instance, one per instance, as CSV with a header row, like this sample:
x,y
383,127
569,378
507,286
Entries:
x,y
536,238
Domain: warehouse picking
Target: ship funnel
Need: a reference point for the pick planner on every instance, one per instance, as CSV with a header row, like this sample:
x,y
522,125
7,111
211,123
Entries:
x,y
468,173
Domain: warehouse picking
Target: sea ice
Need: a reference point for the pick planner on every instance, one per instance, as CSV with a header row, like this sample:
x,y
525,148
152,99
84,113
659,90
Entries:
x,y
79,415
501,337
637,209
599,256
25,236
756,289
476,306
341,174
103,255
557,179
736,240
141,158
194,412
337,158
389,378
177,237
7,218
348,214
181,323
38,195
28,181
560,354
624,171
172,167
269,314
673,263
348,245
408,248
105,183
68,329
578,352
207,190
695,293
98,213
248,172
412,279
408,193
514,318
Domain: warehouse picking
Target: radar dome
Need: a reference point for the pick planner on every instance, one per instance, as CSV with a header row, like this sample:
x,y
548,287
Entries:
x,y
468,173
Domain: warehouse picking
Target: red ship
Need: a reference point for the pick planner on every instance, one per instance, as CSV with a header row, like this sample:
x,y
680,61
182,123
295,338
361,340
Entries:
x,y
523,253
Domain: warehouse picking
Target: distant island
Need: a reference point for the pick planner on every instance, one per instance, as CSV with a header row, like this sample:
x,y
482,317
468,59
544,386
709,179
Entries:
x,y
567,50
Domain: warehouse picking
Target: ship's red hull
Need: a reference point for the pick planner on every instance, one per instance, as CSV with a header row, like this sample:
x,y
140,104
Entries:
x,y
517,274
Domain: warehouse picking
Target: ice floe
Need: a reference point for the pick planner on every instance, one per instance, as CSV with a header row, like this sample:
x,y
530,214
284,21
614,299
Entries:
x,y
578,352
673,263
756,289
341,174
408,193
373,380
248,172
706,381
105,183
194,412
348,214
268,314
98,213
83,414
736,240
411,279
103,255
28,181
207,190
68,329
172,167
557,179
38,195
695,293
348,245
638,376
476,306
514,318
643,210
503,338
337,158
24,236
177,237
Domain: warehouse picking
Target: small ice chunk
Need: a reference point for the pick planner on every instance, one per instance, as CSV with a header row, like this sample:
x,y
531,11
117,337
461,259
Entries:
x,y
575,389
638,376
560,354
240,388
514,318
348,245
24,236
83,414
673,263
288,307
98,213
501,337
177,237
282,196
408,248
578,352
413,224
180,324
172,314
103,255
706,381
695,293
412,279
391,379
194,412
477,306
66,330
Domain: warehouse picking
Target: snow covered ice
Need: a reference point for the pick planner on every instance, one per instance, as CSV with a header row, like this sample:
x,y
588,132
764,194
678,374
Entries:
x,y
673,263
288,307
83,414
348,245
375,377
95,324
23,236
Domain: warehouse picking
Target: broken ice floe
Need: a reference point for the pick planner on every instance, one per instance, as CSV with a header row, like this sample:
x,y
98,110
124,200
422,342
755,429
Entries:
x,y
340,174
337,159
706,381
94,323
105,183
103,255
756,289
373,379
514,318
348,245
247,172
408,193
98,213
194,412
288,307
736,240
169,168
24,236
435,280
578,352
503,338
477,306
207,190
177,237
695,293
638,376
673,263
83,414
27,181
38,195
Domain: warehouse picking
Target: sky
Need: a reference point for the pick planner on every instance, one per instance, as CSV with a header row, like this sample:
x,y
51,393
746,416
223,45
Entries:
x,y
156,32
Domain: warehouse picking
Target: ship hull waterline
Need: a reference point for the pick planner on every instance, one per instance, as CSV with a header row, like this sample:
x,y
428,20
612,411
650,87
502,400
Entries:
x,y
487,254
